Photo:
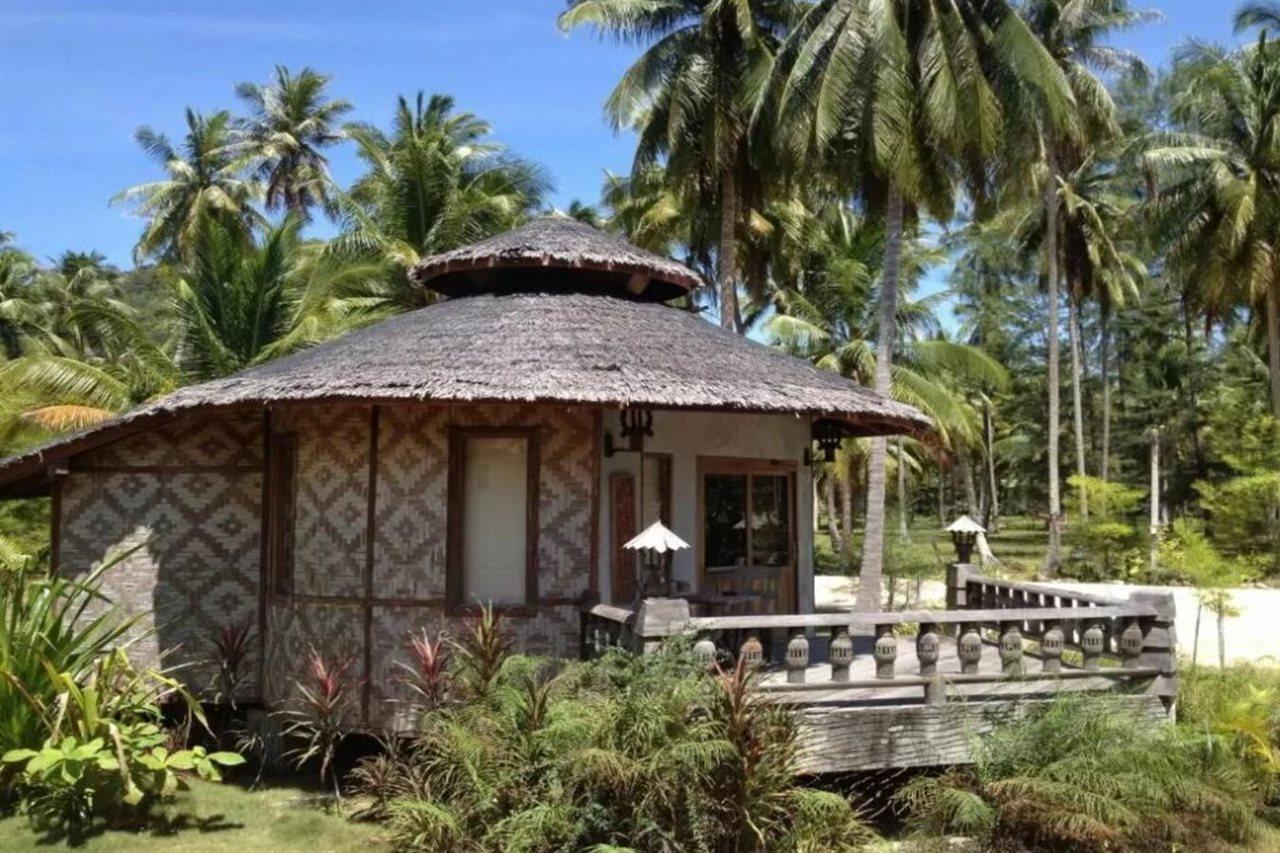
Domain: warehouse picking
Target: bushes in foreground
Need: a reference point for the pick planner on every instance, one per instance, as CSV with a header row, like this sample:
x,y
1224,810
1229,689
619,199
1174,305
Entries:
x,y
1082,775
641,752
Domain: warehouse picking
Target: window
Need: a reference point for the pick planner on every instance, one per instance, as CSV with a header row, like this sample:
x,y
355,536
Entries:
x,y
280,511
493,518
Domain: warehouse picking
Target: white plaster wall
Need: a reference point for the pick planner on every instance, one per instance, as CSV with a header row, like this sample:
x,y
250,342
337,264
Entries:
x,y
688,435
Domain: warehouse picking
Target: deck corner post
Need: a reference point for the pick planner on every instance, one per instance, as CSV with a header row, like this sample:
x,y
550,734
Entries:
x,y
958,575
657,619
1159,643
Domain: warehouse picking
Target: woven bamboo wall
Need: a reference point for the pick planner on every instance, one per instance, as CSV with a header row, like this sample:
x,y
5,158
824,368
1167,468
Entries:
x,y
407,568
187,496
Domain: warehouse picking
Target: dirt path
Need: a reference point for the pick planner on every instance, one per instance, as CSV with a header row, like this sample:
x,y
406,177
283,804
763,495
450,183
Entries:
x,y
1253,635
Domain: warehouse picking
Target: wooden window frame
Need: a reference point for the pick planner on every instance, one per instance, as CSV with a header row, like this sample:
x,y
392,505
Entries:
x,y
455,544
732,465
282,501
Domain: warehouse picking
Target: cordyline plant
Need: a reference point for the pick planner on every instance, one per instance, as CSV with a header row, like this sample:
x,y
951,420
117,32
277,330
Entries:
x,y
427,675
316,722
481,650
232,646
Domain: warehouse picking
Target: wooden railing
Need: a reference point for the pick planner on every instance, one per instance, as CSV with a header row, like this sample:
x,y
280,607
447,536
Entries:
x,y
1073,636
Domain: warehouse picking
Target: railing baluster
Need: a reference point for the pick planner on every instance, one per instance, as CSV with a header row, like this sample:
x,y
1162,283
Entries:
x,y
927,648
886,651
752,653
704,651
969,648
1091,644
1010,648
797,658
841,656
1051,643
1131,643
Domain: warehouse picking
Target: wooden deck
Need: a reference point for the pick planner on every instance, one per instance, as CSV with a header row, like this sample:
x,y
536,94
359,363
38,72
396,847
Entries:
x,y
999,650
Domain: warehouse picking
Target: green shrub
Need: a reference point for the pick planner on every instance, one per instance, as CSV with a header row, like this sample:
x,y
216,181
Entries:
x,y
1085,775
1241,705
641,752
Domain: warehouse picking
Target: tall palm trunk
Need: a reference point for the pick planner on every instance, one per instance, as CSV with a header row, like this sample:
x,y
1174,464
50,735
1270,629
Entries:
x,y
992,520
1273,345
846,507
833,523
1104,356
966,476
1077,409
1053,557
904,530
728,250
873,539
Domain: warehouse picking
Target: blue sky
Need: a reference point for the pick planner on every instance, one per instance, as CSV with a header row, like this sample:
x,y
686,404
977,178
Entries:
x,y
76,79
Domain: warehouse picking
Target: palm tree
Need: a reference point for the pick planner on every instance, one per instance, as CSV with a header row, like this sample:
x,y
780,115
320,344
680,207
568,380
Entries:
x,y
1222,184
433,184
205,180
899,99
17,309
690,97
1072,31
291,122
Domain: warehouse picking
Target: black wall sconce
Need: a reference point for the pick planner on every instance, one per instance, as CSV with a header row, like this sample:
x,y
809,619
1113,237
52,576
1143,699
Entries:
x,y
634,425
827,434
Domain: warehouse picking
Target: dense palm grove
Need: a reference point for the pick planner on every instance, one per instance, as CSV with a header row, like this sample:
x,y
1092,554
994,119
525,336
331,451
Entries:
x,y
1101,359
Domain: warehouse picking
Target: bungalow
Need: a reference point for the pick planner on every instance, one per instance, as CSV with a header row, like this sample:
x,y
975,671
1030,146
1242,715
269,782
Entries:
x,y
499,445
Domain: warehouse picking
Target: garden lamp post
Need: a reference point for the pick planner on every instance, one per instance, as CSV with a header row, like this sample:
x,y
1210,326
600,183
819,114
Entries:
x,y
964,536
653,542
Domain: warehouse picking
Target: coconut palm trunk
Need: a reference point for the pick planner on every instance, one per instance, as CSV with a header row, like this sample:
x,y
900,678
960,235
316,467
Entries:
x,y
1053,556
873,538
966,475
1273,345
833,523
992,520
846,507
1077,407
904,529
1104,357
728,250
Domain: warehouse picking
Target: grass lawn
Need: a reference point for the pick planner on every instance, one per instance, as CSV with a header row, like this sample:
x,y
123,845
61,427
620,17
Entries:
x,y
217,819
1020,545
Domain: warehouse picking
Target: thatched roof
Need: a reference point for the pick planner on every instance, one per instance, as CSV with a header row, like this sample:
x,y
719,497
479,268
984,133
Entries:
x,y
555,242
571,348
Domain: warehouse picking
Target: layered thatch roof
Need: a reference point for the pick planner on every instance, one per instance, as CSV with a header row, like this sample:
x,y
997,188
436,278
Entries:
x,y
555,242
549,336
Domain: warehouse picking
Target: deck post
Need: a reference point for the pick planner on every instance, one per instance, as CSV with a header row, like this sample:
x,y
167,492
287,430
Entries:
x,y
957,584
927,649
1160,643
1051,642
1010,649
1092,644
969,647
657,619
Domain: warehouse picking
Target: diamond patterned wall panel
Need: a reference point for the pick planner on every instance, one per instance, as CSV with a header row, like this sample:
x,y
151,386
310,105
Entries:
x,y
233,439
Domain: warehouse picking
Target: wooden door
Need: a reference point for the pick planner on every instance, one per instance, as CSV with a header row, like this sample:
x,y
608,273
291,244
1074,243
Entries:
x,y
747,531
622,522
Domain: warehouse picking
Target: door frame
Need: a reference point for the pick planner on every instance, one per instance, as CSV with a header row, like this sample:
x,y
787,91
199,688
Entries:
x,y
748,466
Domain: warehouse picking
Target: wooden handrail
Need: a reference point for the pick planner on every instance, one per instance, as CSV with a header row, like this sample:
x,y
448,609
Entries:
x,y
1047,589
1114,673
915,617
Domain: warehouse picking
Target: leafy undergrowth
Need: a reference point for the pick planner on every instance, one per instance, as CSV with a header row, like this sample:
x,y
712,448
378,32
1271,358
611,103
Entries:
x,y
220,819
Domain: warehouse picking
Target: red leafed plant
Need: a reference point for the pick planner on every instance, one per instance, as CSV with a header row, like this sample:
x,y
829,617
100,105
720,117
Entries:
x,y
232,646
427,675
315,722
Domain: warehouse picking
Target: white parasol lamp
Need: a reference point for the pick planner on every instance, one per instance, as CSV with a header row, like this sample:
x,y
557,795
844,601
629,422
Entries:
x,y
654,541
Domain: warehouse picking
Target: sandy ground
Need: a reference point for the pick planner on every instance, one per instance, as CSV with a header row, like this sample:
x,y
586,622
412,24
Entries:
x,y
1253,635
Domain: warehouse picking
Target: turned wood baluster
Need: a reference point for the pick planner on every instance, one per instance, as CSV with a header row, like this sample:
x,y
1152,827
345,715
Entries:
x,y
1131,643
1010,648
927,648
886,651
1051,643
704,652
841,655
797,658
752,653
1091,643
969,648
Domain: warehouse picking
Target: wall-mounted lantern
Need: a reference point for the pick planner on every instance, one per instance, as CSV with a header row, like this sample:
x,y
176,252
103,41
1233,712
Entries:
x,y
964,536
827,434
633,425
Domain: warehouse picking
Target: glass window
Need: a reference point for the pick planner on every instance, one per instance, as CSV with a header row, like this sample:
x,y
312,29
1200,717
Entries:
x,y
495,520
770,520
725,511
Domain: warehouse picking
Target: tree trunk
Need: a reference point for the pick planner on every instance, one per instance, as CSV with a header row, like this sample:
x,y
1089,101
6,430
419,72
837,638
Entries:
x,y
1273,345
1104,356
873,537
1053,556
833,524
992,521
942,496
1077,410
1155,496
728,250
904,528
846,509
1222,638
966,476
1195,640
